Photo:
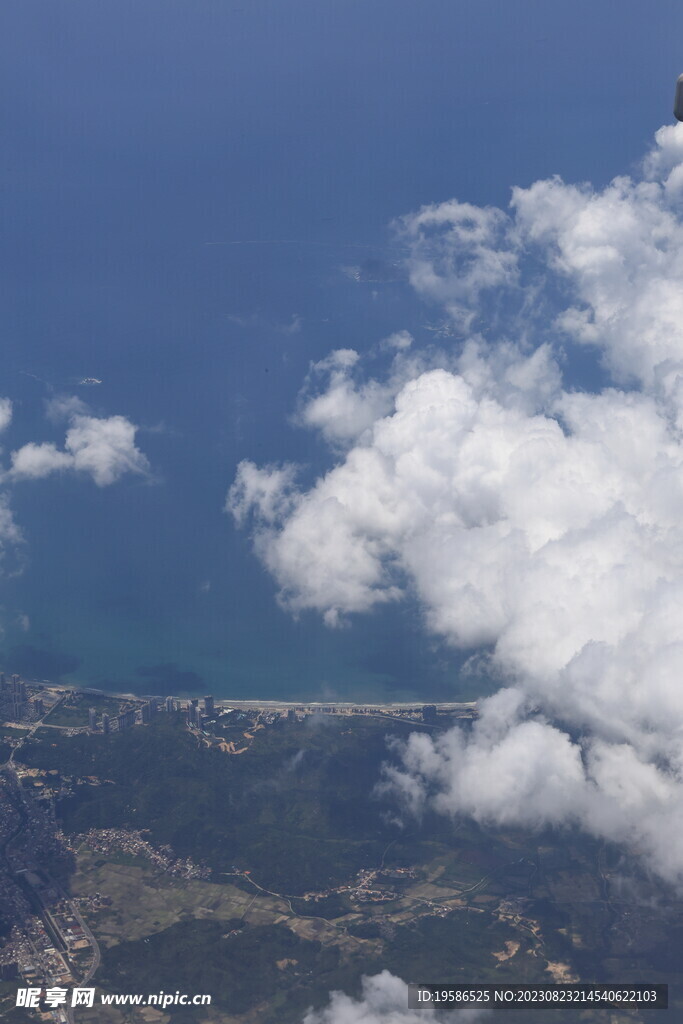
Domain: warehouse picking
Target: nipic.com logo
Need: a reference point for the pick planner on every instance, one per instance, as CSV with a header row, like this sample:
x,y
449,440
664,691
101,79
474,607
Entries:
x,y
52,998
31,998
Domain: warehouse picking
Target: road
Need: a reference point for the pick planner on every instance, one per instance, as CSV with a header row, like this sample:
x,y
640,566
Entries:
x,y
97,957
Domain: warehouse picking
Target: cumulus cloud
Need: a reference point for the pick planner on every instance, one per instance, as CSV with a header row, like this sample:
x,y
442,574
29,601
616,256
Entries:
x,y
384,1000
333,403
11,540
5,413
36,460
103,448
10,532
399,341
63,407
459,253
539,521
266,489
525,771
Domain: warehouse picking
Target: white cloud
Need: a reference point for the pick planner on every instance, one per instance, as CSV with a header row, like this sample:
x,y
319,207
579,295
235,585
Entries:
x,y
384,1000
399,341
621,251
38,460
343,409
102,448
11,541
267,488
540,521
63,407
617,252
456,493
9,530
459,252
530,381
515,771
5,413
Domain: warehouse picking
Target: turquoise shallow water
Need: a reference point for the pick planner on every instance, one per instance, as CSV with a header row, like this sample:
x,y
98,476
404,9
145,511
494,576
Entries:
x,y
276,659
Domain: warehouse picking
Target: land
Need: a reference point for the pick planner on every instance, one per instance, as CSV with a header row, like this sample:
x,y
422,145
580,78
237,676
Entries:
x,y
152,858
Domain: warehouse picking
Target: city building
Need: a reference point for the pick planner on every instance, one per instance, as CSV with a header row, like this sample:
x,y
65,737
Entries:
x,y
39,706
92,719
208,706
18,688
126,719
193,715
105,724
170,704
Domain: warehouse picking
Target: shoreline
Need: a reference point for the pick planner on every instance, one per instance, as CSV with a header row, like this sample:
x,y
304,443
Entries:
x,y
273,704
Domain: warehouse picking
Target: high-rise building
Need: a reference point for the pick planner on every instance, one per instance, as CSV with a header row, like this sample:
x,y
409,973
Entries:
x,y
291,715
193,714
92,719
170,704
208,705
126,719
18,688
39,706
3,682
105,724
18,709
146,713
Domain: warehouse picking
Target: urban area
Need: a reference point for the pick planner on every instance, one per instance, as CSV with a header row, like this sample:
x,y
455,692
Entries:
x,y
50,947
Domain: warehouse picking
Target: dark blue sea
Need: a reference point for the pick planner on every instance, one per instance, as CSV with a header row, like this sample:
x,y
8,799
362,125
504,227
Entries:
x,y
185,187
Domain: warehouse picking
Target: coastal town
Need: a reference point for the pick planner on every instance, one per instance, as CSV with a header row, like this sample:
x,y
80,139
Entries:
x,y
50,946
81,892
24,704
